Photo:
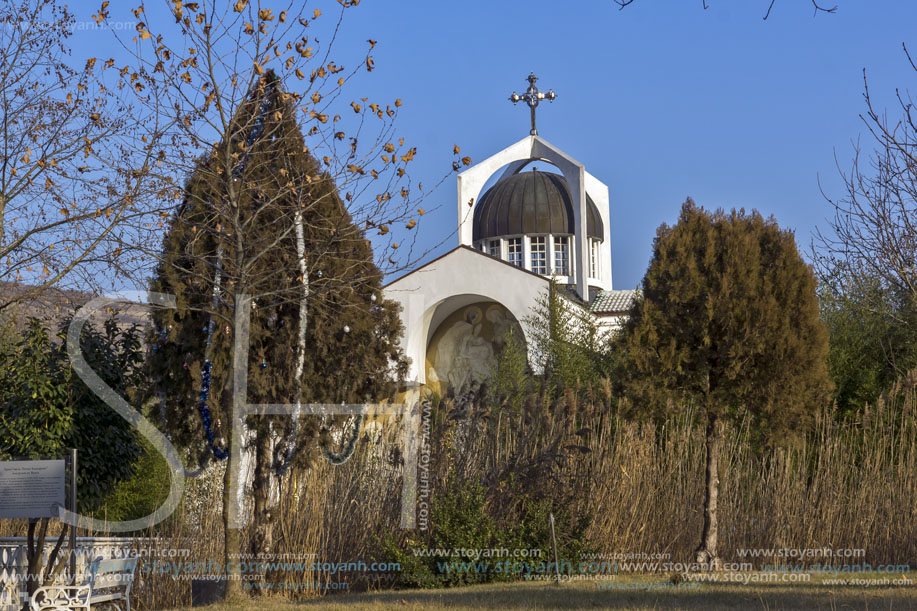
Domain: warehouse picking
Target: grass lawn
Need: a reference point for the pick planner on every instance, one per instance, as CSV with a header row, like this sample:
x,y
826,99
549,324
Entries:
x,y
631,592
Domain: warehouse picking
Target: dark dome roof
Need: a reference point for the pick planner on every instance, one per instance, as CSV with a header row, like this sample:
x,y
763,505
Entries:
x,y
531,202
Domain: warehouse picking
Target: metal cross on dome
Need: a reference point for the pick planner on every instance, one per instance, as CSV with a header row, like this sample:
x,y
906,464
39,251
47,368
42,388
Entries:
x,y
532,97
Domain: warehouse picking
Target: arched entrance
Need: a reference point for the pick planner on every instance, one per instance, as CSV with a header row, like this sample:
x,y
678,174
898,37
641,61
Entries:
x,y
466,338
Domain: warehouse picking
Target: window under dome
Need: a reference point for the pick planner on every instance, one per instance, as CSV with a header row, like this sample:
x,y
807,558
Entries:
x,y
531,203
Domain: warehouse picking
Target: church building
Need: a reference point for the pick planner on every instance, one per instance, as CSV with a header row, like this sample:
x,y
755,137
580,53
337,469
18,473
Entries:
x,y
529,226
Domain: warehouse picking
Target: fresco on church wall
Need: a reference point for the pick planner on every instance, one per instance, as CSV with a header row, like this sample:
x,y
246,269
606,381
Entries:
x,y
464,348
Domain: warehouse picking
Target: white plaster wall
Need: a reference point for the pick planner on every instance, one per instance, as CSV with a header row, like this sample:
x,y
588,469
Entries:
x,y
611,324
466,275
599,194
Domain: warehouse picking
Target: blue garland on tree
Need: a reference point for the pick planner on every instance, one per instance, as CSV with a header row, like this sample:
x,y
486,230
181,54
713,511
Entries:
x,y
218,452
203,407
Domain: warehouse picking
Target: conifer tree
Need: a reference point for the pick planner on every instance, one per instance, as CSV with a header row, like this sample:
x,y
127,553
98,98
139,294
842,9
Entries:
x,y
566,341
259,218
728,321
225,79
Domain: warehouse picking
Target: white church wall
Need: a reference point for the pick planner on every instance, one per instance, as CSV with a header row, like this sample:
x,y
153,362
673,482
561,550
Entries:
x,y
599,194
456,279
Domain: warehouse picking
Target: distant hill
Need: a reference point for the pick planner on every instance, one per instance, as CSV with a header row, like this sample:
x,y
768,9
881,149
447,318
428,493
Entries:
x,y
53,306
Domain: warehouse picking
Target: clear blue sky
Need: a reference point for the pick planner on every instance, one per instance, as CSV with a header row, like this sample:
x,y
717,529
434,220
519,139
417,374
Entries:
x,y
660,101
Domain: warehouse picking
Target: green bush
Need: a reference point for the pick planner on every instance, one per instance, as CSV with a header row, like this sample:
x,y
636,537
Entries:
x,y
872,340
463,519
458,521
45,408
143,493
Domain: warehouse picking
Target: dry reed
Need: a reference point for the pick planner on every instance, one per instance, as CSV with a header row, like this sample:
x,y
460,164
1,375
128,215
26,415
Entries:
x,y
848,485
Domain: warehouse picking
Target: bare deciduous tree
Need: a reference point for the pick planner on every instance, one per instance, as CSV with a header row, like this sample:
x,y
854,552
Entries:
x,y
281,168
75,179
819,8
873,235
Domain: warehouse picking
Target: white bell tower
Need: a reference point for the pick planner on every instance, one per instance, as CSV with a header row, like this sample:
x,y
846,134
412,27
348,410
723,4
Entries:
x,y
591,258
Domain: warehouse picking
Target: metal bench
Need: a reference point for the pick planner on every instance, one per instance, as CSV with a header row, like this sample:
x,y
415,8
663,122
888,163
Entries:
x,y
108,582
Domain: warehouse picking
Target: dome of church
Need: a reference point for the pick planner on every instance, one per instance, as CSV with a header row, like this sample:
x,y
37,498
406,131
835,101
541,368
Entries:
x,y
531,203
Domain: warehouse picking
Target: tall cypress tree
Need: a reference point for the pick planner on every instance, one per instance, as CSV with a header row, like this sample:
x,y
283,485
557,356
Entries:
x,y
260,218
728,321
